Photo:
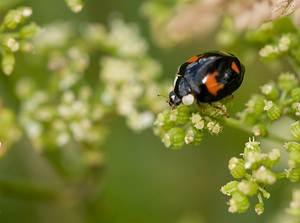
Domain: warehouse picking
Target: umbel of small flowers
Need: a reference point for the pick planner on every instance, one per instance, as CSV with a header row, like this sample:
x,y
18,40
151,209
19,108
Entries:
x,y
15,37
75,5
75,111
255,171
186,124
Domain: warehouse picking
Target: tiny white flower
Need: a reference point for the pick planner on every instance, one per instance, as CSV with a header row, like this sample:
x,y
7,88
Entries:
x,y
266,89
62,139
268,105
27,11
196,118
12,44
167,140
33,129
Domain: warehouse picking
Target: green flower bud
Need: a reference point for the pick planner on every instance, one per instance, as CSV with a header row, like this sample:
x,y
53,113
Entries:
x,y
293,174
256,105
295,93
287,82
295,130
176,137
193,136
248,118
238,203
251,146
183,113
295,109
75,5
292,146
8,63
273,158
259,130
163,120
273,110
237,167
12,19
30,31
270,91
294,158
198,137
248,188
230,188
265,176
265,194
259,208
214,112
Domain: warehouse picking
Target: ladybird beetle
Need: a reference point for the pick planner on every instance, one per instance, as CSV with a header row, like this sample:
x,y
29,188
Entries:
x,y
207,77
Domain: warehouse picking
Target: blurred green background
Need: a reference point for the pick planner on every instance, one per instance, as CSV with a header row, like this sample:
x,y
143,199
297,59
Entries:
x,y
143,182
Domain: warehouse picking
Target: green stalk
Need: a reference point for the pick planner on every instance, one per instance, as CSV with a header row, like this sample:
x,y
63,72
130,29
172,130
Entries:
x,y
234,123
28,191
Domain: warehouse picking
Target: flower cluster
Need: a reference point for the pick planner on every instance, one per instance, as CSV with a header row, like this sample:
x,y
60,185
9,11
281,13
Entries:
x,y
75,5
277,99
128,74
77,111
11,42
254,168
9,132
186,124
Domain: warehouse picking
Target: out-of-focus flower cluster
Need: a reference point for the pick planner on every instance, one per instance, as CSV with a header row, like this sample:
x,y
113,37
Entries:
x,y
9,131
69,110
19,39
187,19
75,5
186,124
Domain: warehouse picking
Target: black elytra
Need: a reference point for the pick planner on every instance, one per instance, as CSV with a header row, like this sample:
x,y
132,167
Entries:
x,y
207,77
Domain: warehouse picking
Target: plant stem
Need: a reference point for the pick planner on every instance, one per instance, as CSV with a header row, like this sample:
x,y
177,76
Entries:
x,y
29,191
234,123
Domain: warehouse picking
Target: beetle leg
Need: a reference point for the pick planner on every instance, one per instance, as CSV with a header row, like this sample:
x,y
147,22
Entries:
x,y
219,108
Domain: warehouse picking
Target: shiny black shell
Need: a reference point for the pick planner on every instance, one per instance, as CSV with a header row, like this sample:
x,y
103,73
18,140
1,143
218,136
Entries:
x,y
209,76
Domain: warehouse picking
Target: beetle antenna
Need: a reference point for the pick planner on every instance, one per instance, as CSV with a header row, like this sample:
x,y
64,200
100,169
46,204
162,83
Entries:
x,y
164,97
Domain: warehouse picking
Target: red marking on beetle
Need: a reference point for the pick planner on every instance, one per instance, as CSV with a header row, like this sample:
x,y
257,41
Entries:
x,y
211,83
227,54
195,58
234,67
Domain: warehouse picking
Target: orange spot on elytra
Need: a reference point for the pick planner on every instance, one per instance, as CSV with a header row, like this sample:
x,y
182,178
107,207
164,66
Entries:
x,y
227,54
211,83
195,58
234,67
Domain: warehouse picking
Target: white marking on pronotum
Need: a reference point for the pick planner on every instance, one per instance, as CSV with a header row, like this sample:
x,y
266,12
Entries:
x,y
188,99
176,78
